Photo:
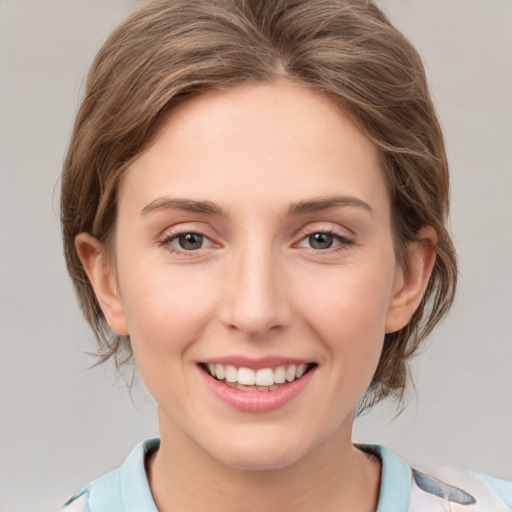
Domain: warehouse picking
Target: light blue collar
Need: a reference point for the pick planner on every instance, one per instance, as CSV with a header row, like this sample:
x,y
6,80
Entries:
x,y
396,478
135,492
132,492
125,489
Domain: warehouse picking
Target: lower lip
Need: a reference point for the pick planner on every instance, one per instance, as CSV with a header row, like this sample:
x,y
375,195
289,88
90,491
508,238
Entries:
x,y
257,401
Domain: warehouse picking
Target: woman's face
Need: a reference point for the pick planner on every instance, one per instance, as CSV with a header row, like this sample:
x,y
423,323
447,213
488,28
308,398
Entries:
x,y
255,233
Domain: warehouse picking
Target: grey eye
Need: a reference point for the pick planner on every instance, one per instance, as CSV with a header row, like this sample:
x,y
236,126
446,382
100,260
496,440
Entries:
x,y
321,240
190,241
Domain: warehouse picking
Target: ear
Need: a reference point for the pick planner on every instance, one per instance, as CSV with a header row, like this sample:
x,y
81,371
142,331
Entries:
x,y
103,279
411,282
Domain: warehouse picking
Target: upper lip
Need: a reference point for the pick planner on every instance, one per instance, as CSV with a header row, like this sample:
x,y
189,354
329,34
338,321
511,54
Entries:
x,y
256,363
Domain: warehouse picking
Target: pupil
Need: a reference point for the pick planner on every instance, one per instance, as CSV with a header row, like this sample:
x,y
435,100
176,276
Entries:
x,y
190,241
321,240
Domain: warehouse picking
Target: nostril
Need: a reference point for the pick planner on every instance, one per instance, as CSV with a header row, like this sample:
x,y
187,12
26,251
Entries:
x,y
257,327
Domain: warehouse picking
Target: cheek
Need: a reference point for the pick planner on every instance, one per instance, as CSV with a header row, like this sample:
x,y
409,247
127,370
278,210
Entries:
x,y
352,300
349,314
166,315
165,310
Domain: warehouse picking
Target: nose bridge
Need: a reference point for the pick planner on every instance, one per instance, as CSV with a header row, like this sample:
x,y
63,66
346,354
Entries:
x,y
255,296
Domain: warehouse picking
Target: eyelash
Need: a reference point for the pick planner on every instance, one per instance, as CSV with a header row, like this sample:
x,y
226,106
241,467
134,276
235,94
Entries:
x,y
342,242
167,242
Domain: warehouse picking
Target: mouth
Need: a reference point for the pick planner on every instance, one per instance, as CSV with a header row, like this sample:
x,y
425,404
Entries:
x,y
262,379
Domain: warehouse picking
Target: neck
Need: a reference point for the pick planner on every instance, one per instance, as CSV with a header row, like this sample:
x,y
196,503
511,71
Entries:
x,y
332,476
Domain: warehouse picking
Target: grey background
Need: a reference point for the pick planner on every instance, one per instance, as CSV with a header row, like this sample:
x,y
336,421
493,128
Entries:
x,y
61,425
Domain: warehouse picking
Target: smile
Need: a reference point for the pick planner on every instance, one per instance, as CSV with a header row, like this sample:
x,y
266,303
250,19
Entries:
x,y
265,387
263,379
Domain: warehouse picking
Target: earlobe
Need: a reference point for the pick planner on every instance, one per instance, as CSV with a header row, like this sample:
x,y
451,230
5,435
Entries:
x,y
102,277
413,280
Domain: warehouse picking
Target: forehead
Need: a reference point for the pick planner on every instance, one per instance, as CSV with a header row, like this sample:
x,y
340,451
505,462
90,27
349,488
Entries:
x,y
277,141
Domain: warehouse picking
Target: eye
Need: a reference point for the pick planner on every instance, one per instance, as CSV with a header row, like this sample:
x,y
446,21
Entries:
x,y
190,241
321,240
186,242
324,240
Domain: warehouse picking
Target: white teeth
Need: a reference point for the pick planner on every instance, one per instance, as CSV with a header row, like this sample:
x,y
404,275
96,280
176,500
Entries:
x,y
246,376
263,379
231,373
280,375
220,372
290,373
244,388
299,372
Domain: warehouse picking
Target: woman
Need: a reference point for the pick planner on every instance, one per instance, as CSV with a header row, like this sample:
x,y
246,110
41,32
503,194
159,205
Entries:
x,y
254,206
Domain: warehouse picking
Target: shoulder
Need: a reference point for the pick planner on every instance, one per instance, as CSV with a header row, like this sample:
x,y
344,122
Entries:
x,y
102,494
124,489
439,489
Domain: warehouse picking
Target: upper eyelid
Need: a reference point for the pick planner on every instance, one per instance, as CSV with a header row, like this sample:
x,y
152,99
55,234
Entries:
x,y
344,236
204,229
341,238
201,228
324,227
167,237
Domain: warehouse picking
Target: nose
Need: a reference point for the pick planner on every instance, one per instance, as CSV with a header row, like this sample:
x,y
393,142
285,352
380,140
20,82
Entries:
x,y
255,299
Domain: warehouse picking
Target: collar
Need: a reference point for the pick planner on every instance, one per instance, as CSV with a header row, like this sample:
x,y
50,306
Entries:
x,y
135,493
396,478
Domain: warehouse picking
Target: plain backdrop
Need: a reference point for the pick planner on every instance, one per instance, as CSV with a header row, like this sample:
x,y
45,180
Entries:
x,y
61,424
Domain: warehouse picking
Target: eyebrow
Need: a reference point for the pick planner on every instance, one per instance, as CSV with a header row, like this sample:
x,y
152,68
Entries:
x,y
186,205
326,203
296,208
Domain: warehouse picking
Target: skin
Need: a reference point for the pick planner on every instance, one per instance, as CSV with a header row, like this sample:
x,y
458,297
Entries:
x,y
257,287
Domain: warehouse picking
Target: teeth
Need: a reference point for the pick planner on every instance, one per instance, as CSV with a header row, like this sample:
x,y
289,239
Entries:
x,y
280,375
301,369
290,373
220,372
246,377
244,388
262,379
231,373
265,377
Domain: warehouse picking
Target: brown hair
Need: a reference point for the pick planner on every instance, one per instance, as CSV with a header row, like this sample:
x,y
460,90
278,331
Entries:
x,y
171,50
